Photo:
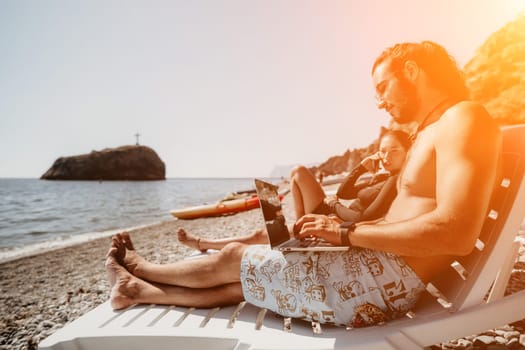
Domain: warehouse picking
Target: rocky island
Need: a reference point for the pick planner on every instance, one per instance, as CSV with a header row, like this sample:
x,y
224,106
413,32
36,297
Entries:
x,y
135,163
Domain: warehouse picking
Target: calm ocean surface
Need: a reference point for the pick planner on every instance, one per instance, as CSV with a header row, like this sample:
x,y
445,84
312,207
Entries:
x,y
35,214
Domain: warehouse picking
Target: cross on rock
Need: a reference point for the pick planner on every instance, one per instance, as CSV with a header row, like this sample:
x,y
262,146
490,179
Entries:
x,y
137,137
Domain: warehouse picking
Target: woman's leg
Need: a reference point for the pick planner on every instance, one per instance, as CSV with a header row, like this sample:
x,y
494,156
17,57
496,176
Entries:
x,y
307,193
127,289
203,244
208,271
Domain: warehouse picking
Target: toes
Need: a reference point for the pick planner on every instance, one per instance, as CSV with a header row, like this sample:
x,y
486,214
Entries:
x,y
117,249
111,252
116,243
126,239
181,234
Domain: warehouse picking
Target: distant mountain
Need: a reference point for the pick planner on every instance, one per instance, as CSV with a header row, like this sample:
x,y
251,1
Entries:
x,y
496,73
281,171
284,170
344,162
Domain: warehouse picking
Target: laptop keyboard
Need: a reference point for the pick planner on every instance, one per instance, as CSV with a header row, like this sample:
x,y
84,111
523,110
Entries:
x,y
304,243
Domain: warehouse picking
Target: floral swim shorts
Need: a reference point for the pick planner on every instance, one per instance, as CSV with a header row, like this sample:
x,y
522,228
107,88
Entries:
x,y
357,288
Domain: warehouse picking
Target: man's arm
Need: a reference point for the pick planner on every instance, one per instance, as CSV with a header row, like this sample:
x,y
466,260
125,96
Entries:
x,y
467,147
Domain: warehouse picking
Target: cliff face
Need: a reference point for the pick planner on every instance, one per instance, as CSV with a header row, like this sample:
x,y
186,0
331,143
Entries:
x,y
345,162
122,163
496,73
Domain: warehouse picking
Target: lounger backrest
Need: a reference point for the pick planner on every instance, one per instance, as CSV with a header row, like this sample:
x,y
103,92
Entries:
x,y
470,277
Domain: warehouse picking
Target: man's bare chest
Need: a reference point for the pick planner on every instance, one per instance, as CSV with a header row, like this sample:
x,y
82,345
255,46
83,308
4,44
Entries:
x,y
418,176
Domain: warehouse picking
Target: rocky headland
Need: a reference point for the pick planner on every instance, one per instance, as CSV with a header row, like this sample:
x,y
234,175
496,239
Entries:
x,y
496,73
135,163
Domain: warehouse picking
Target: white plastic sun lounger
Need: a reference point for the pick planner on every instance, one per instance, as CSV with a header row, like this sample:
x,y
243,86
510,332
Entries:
x,y
457,304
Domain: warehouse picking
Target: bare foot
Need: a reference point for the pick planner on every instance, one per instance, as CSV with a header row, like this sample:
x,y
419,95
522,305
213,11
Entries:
x,y
117,251
189,239
125,287
127,256
111,277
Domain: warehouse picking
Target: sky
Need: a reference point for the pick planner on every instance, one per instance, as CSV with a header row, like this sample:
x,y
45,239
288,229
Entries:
x,y
227,88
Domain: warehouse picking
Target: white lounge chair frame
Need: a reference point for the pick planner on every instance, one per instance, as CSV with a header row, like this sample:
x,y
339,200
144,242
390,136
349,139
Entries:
x,y
462,308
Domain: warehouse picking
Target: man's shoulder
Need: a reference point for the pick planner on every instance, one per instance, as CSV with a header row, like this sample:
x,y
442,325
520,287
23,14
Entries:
x,y
468,115
465,109
469,123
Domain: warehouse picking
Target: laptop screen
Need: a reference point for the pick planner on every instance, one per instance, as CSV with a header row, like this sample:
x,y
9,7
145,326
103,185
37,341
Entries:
x,y
272,212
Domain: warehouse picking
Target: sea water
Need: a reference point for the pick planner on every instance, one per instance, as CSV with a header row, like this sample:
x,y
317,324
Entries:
x,y
38,214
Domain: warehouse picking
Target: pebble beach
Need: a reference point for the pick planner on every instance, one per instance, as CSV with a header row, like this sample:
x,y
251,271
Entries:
x,y
41,293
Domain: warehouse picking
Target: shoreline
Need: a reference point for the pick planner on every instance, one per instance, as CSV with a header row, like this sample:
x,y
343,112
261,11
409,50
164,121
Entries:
x,y
29,250
41,293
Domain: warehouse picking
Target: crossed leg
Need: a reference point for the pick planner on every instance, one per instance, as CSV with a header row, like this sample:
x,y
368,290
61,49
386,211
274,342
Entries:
x,y
208,282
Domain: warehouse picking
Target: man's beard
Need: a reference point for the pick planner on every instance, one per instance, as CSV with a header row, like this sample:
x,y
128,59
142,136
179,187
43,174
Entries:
x,y
409,107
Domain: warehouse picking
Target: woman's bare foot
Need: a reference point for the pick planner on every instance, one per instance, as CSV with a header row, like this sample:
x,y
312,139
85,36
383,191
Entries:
x,y
125,287
189,239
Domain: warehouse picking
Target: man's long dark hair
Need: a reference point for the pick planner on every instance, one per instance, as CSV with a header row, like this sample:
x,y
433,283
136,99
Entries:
x,y
439,66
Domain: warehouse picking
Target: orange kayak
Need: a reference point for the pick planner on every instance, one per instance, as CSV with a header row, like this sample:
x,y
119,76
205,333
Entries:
x,y
217,209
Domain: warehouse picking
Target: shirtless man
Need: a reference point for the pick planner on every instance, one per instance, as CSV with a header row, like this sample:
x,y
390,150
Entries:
x,y
443,195
445,187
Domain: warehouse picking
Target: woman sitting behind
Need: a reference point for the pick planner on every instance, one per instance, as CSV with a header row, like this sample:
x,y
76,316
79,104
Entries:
x,y
371,198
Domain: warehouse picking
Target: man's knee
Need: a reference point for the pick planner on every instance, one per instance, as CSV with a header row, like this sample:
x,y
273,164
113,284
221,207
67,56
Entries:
x,y
232,251
260,235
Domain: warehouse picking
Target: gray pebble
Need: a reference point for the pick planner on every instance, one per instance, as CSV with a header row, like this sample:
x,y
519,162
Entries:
x,y
484,339
500,340
511,334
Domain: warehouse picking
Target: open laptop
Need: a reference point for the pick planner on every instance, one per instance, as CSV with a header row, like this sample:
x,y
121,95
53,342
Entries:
x,y
276,227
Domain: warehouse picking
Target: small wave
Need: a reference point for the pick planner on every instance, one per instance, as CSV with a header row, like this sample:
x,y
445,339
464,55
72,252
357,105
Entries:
x,y
38,233
27,220
44,219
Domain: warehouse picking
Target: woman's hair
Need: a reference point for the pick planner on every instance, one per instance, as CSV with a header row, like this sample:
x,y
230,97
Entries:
x,y
402,137
439,66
